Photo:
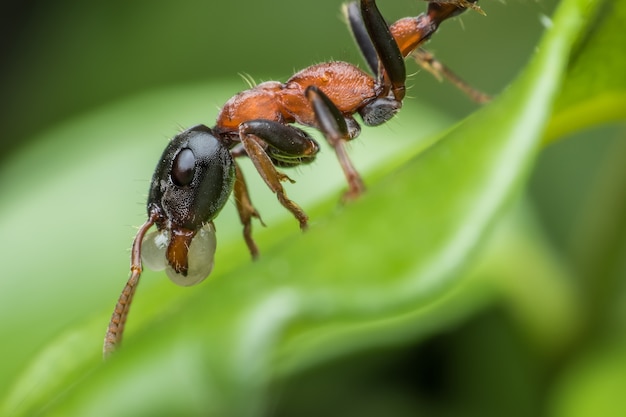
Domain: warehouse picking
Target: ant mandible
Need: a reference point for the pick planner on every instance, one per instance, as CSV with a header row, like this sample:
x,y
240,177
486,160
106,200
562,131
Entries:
x,y
198,170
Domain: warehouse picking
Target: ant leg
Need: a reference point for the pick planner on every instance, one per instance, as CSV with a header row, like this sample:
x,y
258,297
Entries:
x,y
335,128
383,55
246,210
352,14
438,11
288,146
393,73
267,170
431,64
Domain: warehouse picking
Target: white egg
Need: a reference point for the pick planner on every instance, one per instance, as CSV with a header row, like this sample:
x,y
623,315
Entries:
x,y
200,258
153,250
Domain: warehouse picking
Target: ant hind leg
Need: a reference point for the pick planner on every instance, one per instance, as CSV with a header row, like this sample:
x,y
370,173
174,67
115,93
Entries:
x,y
431,64
393,72
352,14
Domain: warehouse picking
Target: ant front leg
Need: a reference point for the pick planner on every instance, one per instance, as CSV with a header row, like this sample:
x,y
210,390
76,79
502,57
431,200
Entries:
x,y
287,146
335,128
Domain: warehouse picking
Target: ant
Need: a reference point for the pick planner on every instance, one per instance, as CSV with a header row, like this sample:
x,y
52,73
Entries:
x,y
198,169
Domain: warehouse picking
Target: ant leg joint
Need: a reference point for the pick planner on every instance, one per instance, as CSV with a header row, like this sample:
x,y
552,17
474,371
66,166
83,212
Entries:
x,y
331,122
354,129
287,145
379,111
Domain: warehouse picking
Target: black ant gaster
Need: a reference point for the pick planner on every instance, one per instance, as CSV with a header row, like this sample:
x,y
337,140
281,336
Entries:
x,y
198,170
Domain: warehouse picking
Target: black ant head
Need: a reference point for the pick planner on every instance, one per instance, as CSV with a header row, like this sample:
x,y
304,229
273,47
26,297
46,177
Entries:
x,y
190,185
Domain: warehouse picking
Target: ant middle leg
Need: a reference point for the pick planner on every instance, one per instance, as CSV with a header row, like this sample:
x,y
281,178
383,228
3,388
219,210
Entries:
x,y
335,129
268,143
246,210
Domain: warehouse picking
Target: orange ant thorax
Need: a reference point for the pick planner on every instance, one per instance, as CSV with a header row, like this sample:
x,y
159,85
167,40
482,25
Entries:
x,y
347,86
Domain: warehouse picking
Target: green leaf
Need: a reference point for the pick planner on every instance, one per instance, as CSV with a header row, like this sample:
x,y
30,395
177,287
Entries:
x,y
368,274
594,385
594,91
70,229
533,283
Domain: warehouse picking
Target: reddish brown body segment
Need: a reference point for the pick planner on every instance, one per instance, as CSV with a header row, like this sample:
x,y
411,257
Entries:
x,y
346,85
408,33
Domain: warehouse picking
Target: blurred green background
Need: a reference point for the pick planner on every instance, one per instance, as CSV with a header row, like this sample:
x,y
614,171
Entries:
x,y
69,57
91,93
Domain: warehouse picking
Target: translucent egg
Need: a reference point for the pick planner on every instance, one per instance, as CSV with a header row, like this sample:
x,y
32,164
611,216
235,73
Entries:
x,y
153,250
200,257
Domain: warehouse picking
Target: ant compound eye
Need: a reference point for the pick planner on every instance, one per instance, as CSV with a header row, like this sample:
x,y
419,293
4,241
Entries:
x,y
183,167
200,258
153,250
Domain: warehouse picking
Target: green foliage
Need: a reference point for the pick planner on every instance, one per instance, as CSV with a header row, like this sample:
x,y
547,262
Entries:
x,y
594,91
440,254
